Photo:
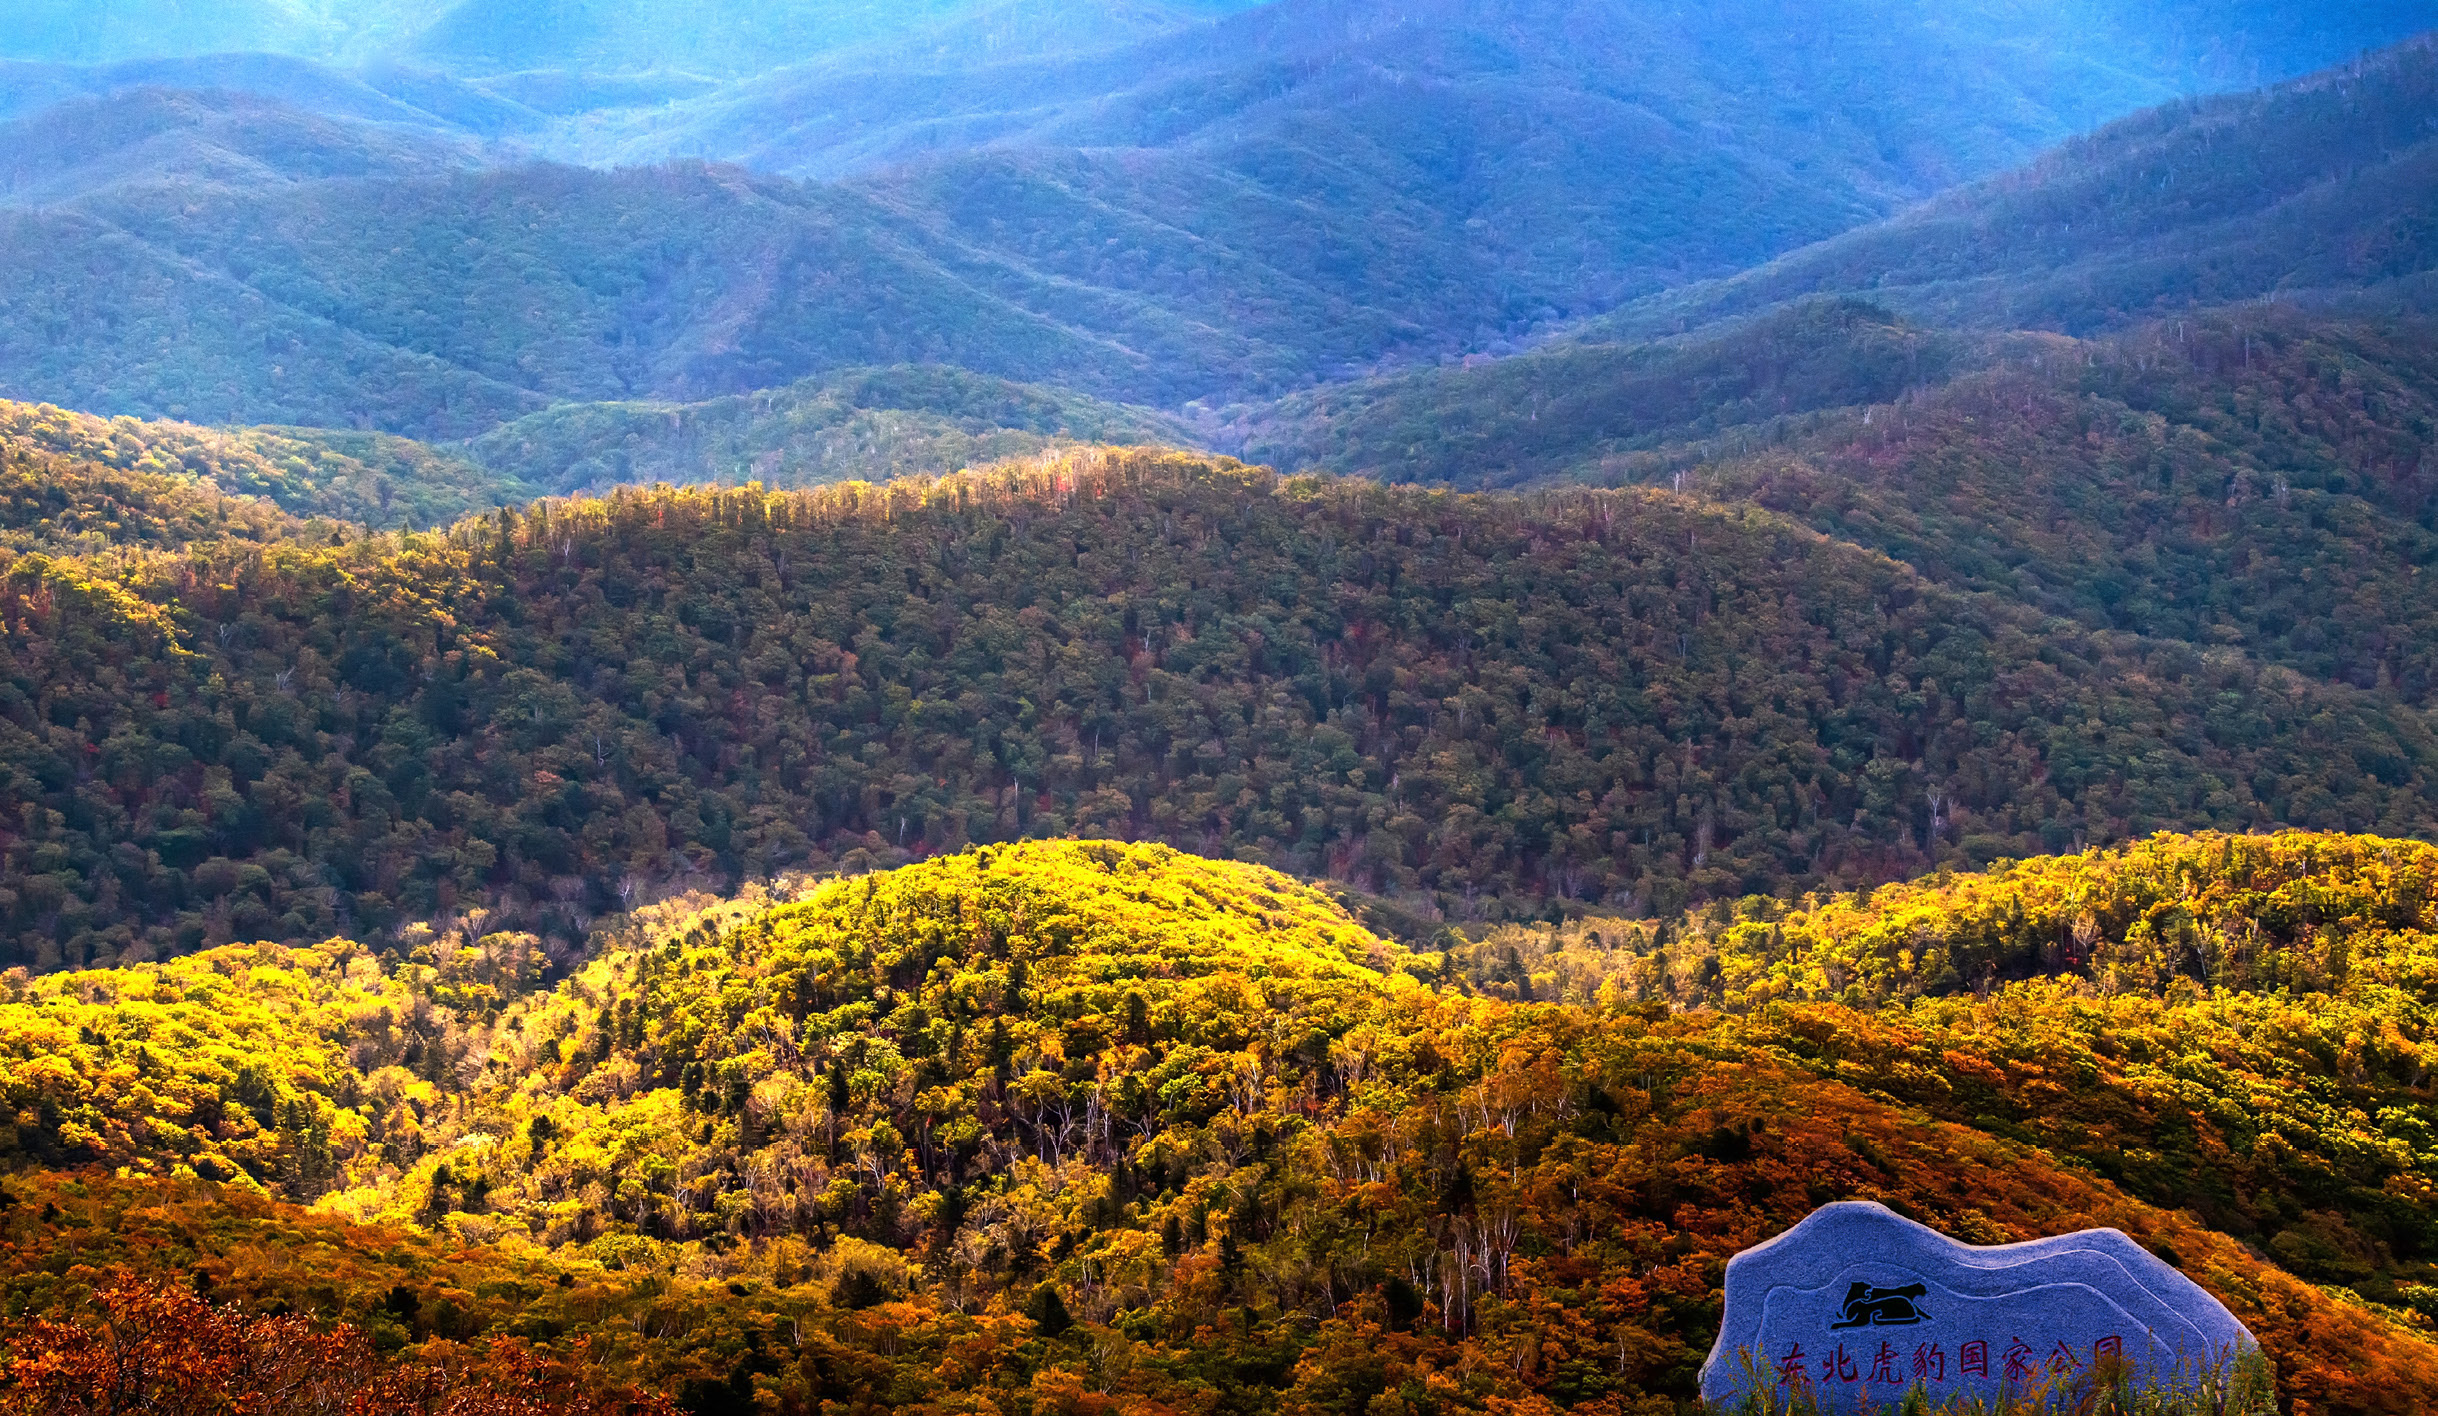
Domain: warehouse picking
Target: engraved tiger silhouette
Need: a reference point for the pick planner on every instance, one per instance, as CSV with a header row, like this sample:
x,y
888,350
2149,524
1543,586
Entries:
x,y
1866,1306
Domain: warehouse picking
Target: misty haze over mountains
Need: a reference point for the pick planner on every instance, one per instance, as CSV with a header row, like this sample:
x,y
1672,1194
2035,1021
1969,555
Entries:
x,y
1161,204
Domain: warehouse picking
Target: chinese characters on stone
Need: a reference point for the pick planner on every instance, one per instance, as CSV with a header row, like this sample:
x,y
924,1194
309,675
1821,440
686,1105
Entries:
x,y
2020,1363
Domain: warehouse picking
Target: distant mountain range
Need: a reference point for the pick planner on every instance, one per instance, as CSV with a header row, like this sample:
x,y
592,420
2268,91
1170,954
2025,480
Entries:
x,y
2320,185
593,327
214,138
1308,192
741,38
2221,46
2315,192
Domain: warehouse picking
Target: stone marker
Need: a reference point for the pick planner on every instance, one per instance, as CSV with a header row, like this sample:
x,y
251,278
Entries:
x,y
1859,1303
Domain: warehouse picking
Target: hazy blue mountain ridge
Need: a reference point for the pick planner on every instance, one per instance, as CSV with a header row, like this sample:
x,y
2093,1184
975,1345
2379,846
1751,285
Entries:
x,y
489,37
2318,191
740,38
2324,183
153,136
1308,192
863,423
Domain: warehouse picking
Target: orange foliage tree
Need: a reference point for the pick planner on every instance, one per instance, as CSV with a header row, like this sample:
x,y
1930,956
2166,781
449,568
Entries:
x,y
154,1347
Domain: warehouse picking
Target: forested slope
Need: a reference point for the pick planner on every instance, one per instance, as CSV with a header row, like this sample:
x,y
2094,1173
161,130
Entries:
x,y
1484,707
442,307
370,479
2248,480
2229,1026
1580,412
1541,116
151,136
2134,237
1084,1126
1313,191
51,504
860,424
2313,187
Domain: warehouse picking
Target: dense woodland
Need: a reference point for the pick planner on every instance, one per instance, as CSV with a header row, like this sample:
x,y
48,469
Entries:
x,y
2256,478
1476,708
367,478
2312,190
1088,1127
863,424
2239,480
2298,958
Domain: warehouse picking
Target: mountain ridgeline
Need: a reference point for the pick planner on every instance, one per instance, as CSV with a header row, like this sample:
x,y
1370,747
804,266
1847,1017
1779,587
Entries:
x,y
1604,413
1305,192
859,424
2308,190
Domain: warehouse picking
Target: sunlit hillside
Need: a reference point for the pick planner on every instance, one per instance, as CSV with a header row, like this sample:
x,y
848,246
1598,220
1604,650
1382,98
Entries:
x,y
1080,1120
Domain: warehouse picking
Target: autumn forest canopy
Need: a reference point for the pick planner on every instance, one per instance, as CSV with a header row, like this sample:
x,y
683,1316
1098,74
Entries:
x,y
1199,708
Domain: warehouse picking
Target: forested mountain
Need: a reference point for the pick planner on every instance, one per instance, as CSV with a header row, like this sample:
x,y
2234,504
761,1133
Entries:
x,y
2255,479
488,38
165,136
1518,106
2217,928
1087,1126
2312,192
444,307
2247,480
367,479
381,96
102,31
1483,708
1576,412
2318,186
868,424
1307,191
575,836
732,39
50,504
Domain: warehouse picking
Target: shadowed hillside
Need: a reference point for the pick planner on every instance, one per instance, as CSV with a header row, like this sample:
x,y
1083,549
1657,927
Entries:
x,y
2314,187
1486,708
2245,480
1578,413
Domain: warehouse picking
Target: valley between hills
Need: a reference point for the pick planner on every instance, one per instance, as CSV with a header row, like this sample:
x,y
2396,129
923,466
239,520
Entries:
x,y
1199,709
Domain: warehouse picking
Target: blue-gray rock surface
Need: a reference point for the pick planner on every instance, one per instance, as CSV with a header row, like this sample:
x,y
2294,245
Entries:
x,y
1860,1304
